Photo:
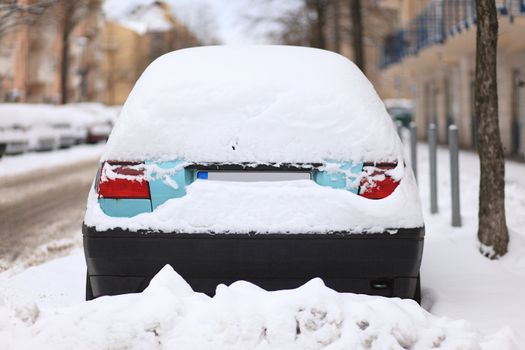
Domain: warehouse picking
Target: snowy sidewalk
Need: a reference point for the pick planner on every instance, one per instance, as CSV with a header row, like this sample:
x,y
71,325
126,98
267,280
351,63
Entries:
x,y
457,280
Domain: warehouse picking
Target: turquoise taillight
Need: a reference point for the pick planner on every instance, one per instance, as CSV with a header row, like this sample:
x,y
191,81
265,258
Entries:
x,y
339,175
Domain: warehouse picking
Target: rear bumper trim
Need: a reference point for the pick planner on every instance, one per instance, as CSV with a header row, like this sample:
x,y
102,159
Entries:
x,y
346,262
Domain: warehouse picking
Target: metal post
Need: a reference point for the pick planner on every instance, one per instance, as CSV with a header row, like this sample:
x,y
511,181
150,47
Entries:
x,y
413,147
454,174
432,147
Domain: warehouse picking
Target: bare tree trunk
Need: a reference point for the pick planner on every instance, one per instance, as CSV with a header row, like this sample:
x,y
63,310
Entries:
x,y
64,60
337,25
357,34
319,7
492,230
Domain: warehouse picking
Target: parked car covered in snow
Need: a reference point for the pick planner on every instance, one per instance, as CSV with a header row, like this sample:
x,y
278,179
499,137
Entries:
x,y
14,138
269,164
401,110
35,117
103,117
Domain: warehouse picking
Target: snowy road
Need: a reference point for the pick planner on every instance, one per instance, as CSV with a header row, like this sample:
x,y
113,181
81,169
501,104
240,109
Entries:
x,y
43,206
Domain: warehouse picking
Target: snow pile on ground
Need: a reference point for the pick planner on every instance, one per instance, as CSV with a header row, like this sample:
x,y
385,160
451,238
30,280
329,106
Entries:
x,y
457,280
299,206
253,104
169,315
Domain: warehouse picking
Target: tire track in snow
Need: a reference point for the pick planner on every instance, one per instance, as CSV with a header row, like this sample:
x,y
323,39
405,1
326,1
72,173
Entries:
x,y
42,207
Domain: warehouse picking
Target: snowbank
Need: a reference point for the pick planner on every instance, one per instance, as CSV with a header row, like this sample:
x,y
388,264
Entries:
x,y
253,104
24,163
169,315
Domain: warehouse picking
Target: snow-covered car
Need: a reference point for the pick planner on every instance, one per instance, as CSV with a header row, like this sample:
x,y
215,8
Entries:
x,y
101,122
36,117
401,110
98,132
42,137
67,134
269,164
13,133
13,139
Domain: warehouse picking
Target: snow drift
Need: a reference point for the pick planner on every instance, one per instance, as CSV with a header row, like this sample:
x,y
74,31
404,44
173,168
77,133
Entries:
x,y
169,315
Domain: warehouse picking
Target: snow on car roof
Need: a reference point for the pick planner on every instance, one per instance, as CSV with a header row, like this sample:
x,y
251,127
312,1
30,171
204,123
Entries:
x,y
253,104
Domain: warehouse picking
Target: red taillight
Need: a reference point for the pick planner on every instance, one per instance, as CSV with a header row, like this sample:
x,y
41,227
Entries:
x,y
123,180
377,184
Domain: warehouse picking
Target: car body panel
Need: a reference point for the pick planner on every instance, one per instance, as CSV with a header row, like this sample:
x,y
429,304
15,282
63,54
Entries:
x,y
121,261
343,177
168,181
124,207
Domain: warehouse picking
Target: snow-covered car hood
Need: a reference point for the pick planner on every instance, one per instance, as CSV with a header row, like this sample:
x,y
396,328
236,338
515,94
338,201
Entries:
x,y
257,104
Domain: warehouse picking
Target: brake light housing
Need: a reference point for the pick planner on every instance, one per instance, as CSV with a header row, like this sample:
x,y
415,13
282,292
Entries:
x,y
123,180
377,182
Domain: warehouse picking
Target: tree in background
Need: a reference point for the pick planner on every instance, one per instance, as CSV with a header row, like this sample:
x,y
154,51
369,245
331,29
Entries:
x,y
492,231
343,26
318,9
357,34
14,13
69,15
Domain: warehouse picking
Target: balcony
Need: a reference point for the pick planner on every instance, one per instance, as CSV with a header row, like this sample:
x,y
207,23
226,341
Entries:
x,y
440,20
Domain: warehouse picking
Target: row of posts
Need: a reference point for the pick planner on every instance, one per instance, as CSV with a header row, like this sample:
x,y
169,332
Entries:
x,y
453,146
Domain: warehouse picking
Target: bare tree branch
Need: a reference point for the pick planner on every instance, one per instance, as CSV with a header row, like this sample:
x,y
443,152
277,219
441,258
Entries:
x,y
13,14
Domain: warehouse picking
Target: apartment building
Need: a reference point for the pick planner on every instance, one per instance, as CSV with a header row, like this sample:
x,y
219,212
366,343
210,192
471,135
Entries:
x,y
106,56
30,57
133,39
430,58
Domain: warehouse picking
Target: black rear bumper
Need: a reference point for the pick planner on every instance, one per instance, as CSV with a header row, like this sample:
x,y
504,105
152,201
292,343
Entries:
x,y
120,261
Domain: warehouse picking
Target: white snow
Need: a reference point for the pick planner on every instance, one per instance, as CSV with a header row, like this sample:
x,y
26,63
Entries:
x,y
169,315
25,163
457,280
42,306
253,104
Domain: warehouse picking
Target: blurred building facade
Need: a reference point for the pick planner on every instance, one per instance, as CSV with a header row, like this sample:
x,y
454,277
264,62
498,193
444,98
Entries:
x,y
430,58
30,56
377,22
131,43
106,56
